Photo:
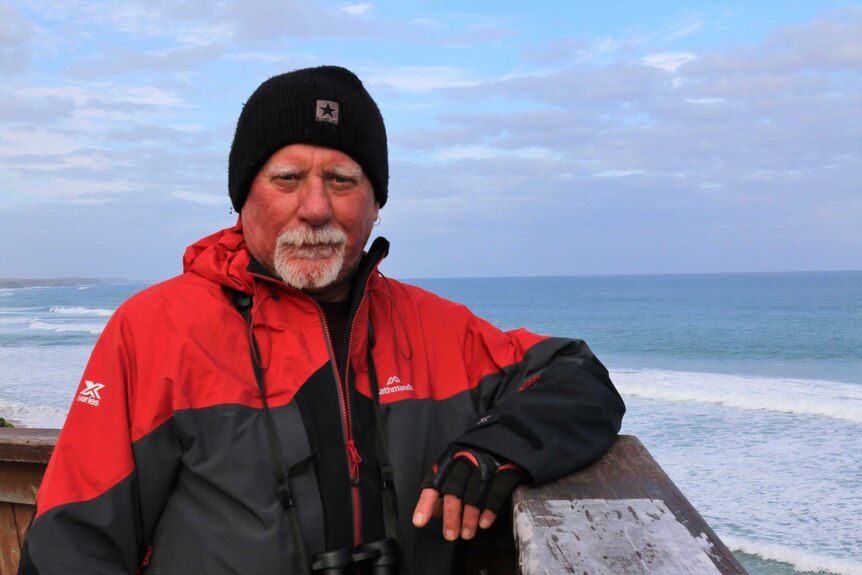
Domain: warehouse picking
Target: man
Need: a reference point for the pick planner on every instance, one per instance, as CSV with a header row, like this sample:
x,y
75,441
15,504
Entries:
x,y
282,407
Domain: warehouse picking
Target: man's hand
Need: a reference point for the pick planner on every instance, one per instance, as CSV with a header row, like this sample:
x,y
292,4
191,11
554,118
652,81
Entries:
x,y
474,484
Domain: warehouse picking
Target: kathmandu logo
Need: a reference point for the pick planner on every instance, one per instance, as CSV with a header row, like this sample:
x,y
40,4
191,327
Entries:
x,y
90,395
393,385
327,111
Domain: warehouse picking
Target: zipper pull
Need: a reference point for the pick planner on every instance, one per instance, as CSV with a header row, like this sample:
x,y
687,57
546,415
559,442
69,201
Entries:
x,y
355,459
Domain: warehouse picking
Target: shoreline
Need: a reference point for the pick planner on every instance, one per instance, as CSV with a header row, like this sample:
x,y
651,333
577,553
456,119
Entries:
x,y
14,283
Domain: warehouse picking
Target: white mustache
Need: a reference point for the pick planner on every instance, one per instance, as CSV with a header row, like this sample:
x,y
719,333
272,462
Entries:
x,y
308,237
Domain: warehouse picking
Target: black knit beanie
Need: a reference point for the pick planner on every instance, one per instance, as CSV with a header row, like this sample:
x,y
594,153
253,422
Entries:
x,y
326,106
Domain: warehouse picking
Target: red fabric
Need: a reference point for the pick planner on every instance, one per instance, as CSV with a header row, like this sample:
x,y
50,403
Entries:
x,y
158,354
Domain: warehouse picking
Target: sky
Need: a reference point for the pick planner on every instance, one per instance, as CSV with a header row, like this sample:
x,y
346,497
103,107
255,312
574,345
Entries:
x,y
526,138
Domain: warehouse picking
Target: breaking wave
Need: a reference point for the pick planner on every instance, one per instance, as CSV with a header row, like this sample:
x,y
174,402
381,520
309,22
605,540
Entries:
x,y
94,329
78,310
800,559
795,396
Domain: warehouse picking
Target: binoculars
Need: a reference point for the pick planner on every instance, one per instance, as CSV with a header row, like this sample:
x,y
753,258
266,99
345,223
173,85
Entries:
x,y
375,558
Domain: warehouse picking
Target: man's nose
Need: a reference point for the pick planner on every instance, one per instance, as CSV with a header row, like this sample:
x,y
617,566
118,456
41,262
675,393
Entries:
x,y
315,207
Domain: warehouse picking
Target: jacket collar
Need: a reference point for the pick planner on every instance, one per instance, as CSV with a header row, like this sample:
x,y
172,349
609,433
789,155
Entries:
x,y
366,268
224,258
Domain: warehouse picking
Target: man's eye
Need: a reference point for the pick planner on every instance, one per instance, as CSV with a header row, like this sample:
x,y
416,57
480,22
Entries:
x,y
342,180
286,176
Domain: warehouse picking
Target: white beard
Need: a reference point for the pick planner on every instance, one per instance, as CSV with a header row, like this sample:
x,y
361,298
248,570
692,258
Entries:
x,y
310,258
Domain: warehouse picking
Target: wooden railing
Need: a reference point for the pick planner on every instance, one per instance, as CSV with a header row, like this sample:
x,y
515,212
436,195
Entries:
x,y
621,515
23,456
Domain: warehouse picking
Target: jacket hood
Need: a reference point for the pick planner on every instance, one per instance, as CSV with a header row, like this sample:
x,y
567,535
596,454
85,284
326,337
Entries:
x,y
221,257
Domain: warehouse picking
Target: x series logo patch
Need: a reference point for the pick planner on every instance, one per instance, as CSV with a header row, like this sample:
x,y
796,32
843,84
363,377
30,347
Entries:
x,y
90,395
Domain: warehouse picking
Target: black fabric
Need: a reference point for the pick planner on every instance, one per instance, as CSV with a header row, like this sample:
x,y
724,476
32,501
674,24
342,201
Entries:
x,y
370,483
235,506
325,106
63,534
516,426
387,472
321,411
337,322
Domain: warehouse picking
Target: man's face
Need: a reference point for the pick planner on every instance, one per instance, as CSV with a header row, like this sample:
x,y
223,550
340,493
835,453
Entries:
x,y
307,217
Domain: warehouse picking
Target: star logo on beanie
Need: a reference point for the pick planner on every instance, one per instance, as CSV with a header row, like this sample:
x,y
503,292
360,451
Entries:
x,y
327,111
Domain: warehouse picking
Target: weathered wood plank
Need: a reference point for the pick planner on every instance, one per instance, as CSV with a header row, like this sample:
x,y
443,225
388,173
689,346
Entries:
x,y
24,453
10,548
23,516
27,444
622,514
20,481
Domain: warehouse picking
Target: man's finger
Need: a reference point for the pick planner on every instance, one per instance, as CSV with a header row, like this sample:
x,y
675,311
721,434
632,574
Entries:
x,y
502,485
451,517
425,507
469,521
487,519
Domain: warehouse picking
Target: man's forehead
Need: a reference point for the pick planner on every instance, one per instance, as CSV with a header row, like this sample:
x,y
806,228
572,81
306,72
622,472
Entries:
x,y
304,155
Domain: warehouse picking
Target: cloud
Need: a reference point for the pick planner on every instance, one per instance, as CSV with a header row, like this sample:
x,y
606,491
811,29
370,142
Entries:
x,y
478,35
420,78
830,43
270,22
558,50
711,119
15,35
617,173
182,59
199,198
668,61
747,142
604,49
361,9
132,236
484,152
18,108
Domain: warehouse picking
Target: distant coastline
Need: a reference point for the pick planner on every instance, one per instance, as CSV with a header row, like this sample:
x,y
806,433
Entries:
x,y
56,282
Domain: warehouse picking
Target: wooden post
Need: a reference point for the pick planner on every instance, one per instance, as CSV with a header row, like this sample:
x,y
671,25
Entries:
x,y
24,453
621,515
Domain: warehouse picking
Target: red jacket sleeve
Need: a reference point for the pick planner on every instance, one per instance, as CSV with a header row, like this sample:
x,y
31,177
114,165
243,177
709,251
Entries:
x,y
107,479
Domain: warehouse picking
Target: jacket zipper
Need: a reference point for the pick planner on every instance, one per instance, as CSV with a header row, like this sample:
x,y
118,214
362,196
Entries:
x,y
353,457
352,454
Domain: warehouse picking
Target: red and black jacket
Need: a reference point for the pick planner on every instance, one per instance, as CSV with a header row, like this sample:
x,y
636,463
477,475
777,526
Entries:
x,y
163,457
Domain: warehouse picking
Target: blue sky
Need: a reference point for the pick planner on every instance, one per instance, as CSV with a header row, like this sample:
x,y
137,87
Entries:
x,y
548,138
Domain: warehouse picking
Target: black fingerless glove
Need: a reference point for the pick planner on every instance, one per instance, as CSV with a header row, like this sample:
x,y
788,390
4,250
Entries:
x,y
475,476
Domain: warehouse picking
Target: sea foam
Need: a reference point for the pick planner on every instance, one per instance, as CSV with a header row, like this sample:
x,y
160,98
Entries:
x,y
800,559
95,329
78,310
33,415
796,396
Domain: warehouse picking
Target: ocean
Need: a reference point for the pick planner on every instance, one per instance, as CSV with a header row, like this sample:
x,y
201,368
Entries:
x,y
747,388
